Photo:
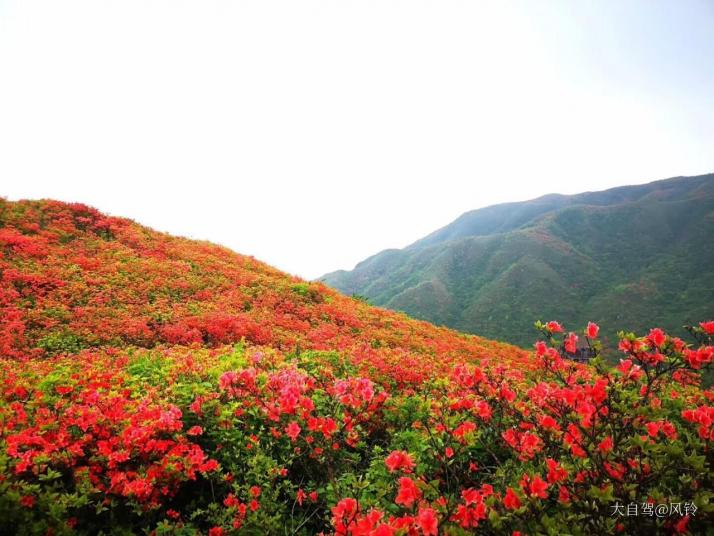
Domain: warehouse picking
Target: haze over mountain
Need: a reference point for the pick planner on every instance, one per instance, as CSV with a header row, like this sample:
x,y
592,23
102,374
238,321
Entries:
x,y
631,257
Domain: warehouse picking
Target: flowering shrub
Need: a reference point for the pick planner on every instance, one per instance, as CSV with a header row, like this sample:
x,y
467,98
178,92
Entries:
x,y
155,385
250,438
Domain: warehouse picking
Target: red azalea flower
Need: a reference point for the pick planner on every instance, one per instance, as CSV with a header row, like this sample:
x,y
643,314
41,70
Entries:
x,y
653,428
628,370
657,337
571,343
408,492
344,513
556,472
592,330
708,327
538,487
680,527
535,486
697,358
428,521
564,495
554,327
300,496
511,500
293,430
463,429
399,459
383,530
605,445
549,423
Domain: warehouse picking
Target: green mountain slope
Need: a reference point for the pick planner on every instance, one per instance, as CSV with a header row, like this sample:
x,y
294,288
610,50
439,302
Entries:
x,y
634,256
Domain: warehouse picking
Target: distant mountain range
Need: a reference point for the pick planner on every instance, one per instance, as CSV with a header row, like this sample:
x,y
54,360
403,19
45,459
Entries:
x,y
631,257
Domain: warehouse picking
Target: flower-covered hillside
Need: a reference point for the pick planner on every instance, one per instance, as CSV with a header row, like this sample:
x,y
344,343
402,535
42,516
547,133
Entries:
x,y
72,278
157,385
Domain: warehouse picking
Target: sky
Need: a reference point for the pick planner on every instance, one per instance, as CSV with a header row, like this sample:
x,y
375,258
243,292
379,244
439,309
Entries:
x,y
313,134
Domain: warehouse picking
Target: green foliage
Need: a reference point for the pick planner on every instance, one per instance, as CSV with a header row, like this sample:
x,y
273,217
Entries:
x,y
308,291
62,342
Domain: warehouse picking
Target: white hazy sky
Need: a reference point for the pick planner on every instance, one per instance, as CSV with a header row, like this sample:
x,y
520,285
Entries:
x,y
314,134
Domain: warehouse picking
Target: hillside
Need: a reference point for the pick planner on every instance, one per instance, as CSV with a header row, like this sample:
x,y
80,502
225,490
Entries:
x,y
157,385
73,278
635,256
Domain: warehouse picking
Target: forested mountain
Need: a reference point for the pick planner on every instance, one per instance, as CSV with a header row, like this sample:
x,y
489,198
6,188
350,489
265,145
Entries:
x,y
630,257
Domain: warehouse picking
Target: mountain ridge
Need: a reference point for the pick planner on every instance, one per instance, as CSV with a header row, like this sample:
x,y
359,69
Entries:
x,y
594,198
460,275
